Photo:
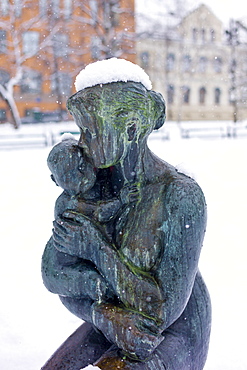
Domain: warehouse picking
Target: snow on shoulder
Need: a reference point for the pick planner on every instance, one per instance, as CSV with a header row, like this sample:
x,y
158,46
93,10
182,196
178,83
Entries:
x,y
111,70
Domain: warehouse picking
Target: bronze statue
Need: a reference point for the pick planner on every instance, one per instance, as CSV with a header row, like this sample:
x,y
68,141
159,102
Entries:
x,y
127,236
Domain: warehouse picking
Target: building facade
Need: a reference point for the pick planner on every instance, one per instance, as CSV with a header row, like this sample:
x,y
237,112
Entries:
x,y
191,66
45,43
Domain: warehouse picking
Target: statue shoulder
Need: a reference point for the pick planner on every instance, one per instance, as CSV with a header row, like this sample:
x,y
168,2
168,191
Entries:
x,y
183,206
182,190
171,180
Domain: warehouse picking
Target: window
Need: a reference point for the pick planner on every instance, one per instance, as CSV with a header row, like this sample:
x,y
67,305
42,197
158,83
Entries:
x,y
145,59
217,64
61,44
4,7
202,95
217,95
3,116
232,95
243,92
212,35
233,66
30,42
186,94
63,82
3,41
4,77
203,33
186,63
194,34
170,94
31,82
202,67
170,62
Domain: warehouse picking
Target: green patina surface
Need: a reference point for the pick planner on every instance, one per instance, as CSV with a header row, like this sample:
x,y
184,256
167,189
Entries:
x,y
128,232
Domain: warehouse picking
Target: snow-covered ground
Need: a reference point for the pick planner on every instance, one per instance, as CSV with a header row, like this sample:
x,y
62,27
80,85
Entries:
x,y
34,323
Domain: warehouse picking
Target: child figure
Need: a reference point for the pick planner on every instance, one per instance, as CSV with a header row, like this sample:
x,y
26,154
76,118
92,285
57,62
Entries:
x,y
69,168
76,175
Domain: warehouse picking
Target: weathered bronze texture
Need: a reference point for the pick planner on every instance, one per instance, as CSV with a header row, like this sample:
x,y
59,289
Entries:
x,y
127,235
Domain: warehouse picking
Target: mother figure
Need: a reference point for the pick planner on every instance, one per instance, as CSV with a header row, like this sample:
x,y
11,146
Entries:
x,y
131,273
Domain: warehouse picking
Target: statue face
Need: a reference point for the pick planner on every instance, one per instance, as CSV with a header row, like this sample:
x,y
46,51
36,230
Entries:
x,y
69,168
111,118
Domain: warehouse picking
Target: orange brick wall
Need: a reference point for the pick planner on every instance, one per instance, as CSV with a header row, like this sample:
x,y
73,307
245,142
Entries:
x,y
42,63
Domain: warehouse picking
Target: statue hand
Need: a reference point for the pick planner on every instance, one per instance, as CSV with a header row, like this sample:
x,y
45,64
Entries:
x,y
119,327
75,234
66,236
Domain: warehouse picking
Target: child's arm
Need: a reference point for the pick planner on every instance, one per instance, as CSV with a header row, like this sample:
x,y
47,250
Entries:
x,y
138,290
71,276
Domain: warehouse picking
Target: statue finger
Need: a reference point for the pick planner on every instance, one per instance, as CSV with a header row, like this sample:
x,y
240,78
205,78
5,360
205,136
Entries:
x,y
61,233
64,227
62,238
59,247
59,226
74,216
62,244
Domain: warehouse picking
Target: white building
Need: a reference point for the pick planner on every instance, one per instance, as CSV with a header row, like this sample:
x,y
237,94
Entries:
x,y
191,67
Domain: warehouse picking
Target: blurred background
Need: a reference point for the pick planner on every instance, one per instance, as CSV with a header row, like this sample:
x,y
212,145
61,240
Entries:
x,y
196,56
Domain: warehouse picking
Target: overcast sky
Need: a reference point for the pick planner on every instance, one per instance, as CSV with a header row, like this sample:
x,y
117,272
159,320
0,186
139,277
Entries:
x,y
226,9
223,9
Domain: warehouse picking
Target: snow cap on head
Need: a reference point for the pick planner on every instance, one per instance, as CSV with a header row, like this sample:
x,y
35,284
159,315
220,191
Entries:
x,y
111,70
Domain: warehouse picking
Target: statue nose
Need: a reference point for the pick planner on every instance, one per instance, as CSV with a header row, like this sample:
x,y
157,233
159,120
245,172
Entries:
x,y
85,138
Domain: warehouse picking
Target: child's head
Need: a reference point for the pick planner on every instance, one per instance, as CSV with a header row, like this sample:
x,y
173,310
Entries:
x,y
69,168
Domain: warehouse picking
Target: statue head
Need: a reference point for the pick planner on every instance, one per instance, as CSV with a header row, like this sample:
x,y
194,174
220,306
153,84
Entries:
x,y
117,116
70,170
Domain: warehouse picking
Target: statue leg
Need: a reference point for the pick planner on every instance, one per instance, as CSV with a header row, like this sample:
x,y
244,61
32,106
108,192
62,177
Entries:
x,y
185,344
82,348
186,341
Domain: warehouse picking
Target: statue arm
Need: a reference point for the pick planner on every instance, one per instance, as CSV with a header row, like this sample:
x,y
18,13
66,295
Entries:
x,y
181,236
71,276
136,289
131,325
183,230
151,302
